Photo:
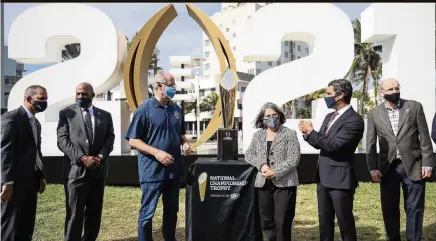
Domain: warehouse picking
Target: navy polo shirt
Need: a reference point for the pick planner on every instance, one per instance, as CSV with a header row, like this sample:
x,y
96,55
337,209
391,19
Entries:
x,y
160,127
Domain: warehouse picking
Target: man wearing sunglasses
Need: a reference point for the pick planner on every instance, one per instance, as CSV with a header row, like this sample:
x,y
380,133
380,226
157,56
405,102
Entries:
x,y
157,131
406,158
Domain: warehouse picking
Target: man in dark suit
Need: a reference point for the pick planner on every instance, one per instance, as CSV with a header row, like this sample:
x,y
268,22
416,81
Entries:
x,y
433,129
22,171
406,157
86,137
337,139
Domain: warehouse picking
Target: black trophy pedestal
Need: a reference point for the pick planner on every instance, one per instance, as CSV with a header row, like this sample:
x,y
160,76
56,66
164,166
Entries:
x,y
227,144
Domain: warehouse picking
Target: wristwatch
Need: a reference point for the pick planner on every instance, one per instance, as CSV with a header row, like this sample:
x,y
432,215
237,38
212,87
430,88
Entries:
x,y
101,156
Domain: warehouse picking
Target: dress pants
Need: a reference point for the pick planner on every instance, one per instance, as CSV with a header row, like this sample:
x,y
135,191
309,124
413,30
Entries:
x,y
413,194
277,211
84,203
151,192
18,215
340,202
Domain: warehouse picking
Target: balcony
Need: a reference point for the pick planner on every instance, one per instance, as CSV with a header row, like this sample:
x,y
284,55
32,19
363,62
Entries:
x,y
177,61
187,84
189,97
186,72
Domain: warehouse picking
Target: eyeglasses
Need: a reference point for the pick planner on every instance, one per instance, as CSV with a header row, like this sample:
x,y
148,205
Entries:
x,y
391,90
173,85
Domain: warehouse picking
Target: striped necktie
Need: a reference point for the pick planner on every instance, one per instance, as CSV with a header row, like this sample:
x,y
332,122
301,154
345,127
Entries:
x,y
331,120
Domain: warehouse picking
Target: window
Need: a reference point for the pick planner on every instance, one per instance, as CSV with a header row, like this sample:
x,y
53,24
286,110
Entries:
x,y
307,51
286,43
207,54
293,57
19,73
299,48
293,45
243,89
251,71
207,66
298,57
279,63
286,54
234,47
234,21
201,93
269,63
239,106
234,35
206,42
258,71
227,29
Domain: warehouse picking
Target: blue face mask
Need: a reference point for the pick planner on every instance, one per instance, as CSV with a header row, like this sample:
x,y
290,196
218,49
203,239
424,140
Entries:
x,y
330,101
170,92
272,122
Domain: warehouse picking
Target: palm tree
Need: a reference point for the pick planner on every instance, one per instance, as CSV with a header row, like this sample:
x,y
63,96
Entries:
x,y
290,107
71,51
209,103
154,58
366,64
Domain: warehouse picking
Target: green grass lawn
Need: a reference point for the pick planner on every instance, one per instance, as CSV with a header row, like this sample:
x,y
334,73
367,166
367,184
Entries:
x,y
122,204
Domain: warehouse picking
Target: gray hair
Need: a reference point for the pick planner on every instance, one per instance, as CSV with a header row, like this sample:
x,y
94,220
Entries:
x,y
342,86
31,90
258,122
158,78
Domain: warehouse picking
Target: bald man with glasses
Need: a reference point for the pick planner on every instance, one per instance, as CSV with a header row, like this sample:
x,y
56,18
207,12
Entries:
x,y
406,158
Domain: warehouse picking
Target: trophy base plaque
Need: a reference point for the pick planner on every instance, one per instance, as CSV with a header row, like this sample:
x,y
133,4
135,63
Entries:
x,y
227,144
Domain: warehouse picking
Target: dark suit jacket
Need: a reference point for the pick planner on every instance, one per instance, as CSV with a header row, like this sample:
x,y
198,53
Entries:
x,y
413,139
336,158
72,141
18,149
433,129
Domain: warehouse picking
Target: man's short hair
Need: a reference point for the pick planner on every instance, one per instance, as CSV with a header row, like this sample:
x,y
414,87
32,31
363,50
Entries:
x,y
31,90
158,78
342,86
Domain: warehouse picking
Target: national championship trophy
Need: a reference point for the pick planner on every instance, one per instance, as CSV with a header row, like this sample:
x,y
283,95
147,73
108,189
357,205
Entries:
x,y
228,136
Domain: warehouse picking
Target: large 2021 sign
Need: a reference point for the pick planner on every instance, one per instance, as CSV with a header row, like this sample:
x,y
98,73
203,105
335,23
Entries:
x,y
406,31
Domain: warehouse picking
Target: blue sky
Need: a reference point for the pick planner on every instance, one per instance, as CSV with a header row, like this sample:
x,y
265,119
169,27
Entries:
x,y
182,37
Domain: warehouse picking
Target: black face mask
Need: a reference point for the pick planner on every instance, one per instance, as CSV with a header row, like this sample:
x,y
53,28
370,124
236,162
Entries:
x,y
393,98
39,106
84,103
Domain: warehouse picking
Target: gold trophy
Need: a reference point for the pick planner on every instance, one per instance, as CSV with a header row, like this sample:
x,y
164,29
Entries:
x,y
202,184
227,136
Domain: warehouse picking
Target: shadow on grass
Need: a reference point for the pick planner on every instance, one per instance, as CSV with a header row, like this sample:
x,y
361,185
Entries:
x,y
366,233
299,232
157,236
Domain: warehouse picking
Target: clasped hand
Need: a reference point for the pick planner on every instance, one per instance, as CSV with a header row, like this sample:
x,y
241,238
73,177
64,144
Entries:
x,y
267,172
91,162
305,126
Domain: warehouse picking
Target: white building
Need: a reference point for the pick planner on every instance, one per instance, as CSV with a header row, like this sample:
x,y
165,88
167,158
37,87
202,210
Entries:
x,y
231,21
12,73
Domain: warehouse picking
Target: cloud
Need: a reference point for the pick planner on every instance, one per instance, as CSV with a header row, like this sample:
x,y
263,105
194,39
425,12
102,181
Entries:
x,y
182,37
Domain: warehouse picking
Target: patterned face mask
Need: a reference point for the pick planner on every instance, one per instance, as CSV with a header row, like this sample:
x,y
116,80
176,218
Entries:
x,y
271,122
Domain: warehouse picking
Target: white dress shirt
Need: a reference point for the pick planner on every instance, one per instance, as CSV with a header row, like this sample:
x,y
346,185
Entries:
x,y
340,112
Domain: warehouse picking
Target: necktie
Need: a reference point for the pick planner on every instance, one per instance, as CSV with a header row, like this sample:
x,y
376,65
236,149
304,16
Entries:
x,y
38,164
88,126
331,120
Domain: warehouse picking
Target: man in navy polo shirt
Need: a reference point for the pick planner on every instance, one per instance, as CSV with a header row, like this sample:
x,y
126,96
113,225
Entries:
x,y
157,131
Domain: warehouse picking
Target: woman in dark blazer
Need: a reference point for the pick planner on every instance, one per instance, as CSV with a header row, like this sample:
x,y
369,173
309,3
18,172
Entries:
x,y
275,152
